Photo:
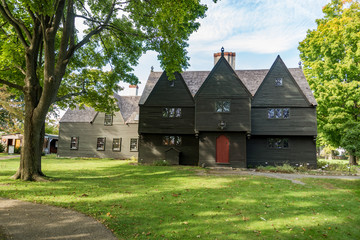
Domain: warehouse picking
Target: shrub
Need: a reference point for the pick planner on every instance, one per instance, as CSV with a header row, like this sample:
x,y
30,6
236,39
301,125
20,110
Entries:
x,y
17,150
161,163
285,168
339,167
2,148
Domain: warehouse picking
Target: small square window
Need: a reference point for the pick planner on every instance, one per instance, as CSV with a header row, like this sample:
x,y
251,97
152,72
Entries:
x,y
100,144
278,113
271,113
278,82
177,112
286,143
116,145
108,119
278,143
222,106
133,145
74,143
270,142
286,113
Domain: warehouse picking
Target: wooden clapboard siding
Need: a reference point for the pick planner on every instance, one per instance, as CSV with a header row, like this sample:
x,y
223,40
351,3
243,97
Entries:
x,y
289,94
151,120
238,119
222,84
163,94
88,134
302,122
302,150
237,150
152,149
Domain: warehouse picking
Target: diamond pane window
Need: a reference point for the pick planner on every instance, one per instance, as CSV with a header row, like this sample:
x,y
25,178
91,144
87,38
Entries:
x,y
222,106
165,112
170,112
286,143
270,142
177,112
278,143
278,82
172,140
278,113
271,113
286,113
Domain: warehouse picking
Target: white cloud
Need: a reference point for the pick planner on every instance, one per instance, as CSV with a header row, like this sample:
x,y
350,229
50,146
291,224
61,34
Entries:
x,y
267,27
259,26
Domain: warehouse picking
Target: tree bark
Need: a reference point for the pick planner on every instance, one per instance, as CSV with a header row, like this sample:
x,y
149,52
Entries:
x,y
352,160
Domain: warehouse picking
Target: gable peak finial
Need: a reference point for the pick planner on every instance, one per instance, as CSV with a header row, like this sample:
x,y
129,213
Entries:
x,y
222,51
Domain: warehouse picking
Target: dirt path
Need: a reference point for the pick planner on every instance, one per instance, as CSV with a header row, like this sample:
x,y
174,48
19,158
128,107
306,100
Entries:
x,y
3,157
23,220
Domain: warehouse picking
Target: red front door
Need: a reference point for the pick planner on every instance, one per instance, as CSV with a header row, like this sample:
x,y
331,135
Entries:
x,y
222,149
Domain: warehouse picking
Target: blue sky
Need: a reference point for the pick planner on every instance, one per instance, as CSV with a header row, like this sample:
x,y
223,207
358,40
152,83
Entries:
x,y
256,30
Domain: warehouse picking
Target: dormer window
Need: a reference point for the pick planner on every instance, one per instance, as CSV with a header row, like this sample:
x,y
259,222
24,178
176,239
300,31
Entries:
x,y
222,106
108,119
278,82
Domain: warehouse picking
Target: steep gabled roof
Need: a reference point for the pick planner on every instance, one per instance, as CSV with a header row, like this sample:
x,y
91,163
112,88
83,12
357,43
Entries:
x,y
251,79
79,115
128,106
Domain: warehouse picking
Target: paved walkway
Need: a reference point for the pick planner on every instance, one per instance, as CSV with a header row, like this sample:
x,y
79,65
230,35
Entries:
x,y
292,177
29,221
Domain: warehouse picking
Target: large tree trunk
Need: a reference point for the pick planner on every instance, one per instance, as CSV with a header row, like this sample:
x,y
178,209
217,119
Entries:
x,y
30,160
352,160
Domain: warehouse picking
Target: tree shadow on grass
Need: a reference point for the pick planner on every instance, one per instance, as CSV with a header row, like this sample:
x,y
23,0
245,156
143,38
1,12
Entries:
x,y
147,202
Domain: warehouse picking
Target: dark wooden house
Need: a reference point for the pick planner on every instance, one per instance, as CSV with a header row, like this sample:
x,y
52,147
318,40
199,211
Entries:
x,y
227,117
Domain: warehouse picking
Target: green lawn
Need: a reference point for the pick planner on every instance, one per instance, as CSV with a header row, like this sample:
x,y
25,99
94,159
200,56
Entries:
x,y
147,202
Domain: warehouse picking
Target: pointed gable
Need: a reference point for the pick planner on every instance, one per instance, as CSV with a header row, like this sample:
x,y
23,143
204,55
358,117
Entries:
x,y
169,93
279,88
223,82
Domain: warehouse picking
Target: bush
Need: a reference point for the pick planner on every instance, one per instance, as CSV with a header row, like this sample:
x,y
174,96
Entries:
x,y
339,167
161,163
285,168
2,148
17,150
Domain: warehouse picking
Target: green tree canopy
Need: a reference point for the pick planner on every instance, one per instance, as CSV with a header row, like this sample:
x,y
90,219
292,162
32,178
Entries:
x,y
331,56
56,51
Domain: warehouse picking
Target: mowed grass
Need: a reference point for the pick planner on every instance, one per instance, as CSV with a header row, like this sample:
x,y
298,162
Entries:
x,y
148,202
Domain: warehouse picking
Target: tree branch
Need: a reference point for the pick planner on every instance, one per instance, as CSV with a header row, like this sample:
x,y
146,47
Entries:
x,y
58,15
12,85
21,70
58,99
93,32
14,23
20,23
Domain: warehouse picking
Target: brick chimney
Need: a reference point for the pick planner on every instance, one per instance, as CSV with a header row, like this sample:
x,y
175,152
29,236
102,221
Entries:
x,y
133,90
229,56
